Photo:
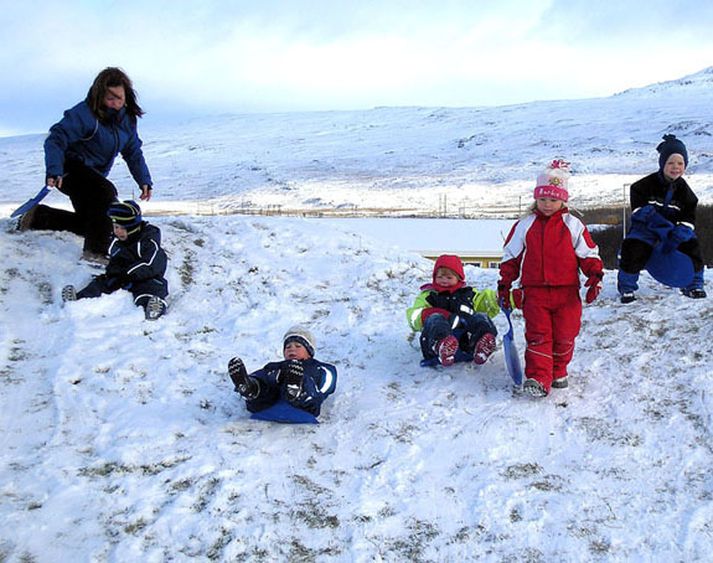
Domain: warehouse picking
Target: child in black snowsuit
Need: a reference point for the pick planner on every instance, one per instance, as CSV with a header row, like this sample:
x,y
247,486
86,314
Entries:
x,y
137,263
663,211
299,379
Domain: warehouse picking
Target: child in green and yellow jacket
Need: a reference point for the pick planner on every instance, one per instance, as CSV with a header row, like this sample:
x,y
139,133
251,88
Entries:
x,y
453,318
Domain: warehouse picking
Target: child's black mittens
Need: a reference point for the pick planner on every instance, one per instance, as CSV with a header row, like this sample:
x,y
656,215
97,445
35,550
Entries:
x,y
438,301
111,282
291,376
291,373
459,303
115,283
114,270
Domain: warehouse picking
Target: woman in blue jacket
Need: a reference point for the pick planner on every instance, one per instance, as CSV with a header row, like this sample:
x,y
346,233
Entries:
x,y
79,153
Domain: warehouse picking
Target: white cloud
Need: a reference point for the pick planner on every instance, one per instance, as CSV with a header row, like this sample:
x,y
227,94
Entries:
x,y
274,55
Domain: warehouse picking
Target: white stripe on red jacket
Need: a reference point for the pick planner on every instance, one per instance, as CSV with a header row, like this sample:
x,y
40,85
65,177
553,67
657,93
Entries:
x,y
544,252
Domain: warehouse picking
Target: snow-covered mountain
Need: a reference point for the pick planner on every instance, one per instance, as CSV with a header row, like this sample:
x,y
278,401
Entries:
x,y
480,160
123,441
698,84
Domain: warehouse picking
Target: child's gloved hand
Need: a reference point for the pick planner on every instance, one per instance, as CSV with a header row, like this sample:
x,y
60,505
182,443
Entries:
x,y
291,376
510,298
677,235
439,301
518,297
504,295
113,282
681,233
291,373
643,214
594,283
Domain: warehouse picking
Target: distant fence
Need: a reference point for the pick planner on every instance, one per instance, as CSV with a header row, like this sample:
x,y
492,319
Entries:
x,y
347,211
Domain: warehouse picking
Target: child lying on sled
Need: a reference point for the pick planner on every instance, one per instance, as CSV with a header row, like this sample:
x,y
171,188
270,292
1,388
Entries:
x,y
299,379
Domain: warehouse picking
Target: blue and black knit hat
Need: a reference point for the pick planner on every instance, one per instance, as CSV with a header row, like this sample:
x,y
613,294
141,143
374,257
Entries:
x,y
126,214
671,145
302,335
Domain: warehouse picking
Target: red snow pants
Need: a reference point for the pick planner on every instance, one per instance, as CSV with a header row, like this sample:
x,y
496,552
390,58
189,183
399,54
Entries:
x,y
553,316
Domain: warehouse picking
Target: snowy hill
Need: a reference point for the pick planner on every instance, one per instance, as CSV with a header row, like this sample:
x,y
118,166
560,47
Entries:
x,y
698,84
473,161
123,441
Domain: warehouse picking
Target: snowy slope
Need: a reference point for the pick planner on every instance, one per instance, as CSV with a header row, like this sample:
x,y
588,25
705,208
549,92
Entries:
x,y
123,441
473,161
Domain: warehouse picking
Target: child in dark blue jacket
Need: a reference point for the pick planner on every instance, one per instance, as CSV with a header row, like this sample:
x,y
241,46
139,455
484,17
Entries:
x,y
137,263
663,211
299,379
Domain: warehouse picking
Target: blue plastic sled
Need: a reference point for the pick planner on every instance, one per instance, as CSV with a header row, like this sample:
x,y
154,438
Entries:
x,y
673,269
30,203
284,412
512,358
460,356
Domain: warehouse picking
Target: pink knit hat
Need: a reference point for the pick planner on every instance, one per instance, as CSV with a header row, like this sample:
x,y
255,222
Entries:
x,y
553,181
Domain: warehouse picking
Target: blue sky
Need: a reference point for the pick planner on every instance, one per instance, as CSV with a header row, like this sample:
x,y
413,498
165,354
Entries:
x,y
234,56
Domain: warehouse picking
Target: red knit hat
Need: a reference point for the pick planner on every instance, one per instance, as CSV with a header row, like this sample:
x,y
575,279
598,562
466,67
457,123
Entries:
x,y
552,182
450,261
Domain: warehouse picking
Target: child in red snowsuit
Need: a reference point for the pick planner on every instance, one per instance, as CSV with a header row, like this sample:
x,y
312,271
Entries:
x,y
544,252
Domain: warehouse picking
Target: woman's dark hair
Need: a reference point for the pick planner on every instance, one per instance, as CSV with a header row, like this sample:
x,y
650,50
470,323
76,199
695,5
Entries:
x,y
111,77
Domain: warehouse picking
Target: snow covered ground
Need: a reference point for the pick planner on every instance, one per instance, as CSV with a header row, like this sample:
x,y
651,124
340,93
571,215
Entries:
x,y
123,441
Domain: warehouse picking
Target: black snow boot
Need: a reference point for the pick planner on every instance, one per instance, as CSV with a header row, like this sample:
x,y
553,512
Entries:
x,y
155,308
69,293
695,293
247,386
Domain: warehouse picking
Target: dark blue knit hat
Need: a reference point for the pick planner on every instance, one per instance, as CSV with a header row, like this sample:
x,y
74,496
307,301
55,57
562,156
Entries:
x,y
671,145
126,214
